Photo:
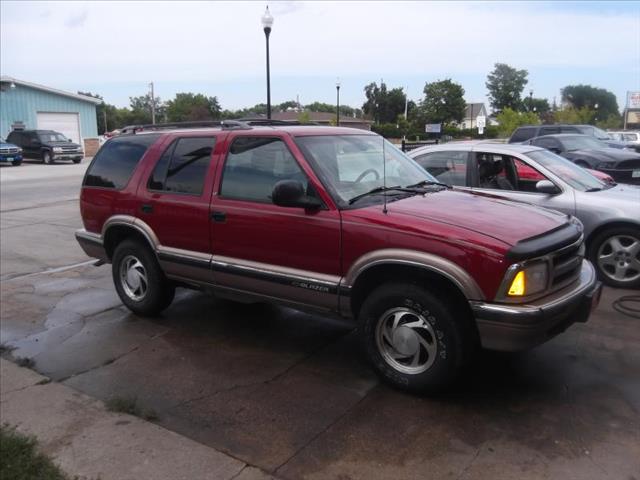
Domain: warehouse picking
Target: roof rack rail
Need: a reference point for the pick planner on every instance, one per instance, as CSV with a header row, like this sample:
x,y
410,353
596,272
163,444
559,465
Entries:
x,y
270,122
224,124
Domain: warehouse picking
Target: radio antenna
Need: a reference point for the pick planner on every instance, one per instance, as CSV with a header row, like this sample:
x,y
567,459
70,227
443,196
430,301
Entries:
x,y
384,180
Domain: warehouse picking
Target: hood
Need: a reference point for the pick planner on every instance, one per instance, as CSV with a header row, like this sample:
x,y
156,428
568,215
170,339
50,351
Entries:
x,y
62,144
493,216
8,145
606,154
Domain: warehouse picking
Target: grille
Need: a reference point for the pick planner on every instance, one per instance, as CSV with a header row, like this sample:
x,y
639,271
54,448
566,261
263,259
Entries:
x,y
8,150
566,264
629,164
69,149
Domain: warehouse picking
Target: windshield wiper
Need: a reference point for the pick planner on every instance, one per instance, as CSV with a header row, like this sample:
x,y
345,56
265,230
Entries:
x,y
594,189
380,189
424,183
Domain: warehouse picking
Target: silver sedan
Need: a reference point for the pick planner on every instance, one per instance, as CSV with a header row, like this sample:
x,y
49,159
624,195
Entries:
x,y
610,213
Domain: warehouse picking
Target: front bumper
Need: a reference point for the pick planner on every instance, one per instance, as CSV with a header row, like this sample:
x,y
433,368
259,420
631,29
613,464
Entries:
x,y
628,175
509,327
67,156
9,157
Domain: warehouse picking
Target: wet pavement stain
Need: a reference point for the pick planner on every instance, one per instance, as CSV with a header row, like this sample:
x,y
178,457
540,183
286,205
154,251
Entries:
x,y
291,392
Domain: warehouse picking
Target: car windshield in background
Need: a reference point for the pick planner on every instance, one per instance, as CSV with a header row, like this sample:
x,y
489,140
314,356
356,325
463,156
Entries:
x,y
52,137
351,165
580,142
571,173
595,132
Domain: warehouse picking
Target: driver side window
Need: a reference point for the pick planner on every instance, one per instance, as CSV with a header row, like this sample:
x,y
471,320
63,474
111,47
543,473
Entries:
x,y
254,165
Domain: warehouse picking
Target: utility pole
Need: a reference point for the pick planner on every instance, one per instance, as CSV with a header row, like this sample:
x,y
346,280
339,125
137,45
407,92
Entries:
x,y
104,113
153,105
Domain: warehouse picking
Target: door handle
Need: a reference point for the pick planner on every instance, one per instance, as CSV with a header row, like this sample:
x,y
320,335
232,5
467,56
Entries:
x,y
146,208
219,217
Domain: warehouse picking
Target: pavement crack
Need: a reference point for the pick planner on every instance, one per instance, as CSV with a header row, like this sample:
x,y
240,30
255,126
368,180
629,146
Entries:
x,y
239,472
322,432
109,361
471,462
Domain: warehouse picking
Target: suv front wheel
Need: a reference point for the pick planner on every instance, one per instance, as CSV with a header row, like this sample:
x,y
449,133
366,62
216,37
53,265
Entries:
x,y
139,281
46,157
413,339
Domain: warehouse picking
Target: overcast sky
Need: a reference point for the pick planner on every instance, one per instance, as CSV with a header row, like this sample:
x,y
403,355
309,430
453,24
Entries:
x,y
217,48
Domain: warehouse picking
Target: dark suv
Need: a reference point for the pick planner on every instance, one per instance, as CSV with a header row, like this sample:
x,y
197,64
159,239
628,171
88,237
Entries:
x,y
46,145
338,221
527,132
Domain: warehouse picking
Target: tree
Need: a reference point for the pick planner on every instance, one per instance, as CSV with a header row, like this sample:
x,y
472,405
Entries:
x,y
141,109
383,105
443,102
538,105
510,119
505,85
192,107
586,96
284,106
573,115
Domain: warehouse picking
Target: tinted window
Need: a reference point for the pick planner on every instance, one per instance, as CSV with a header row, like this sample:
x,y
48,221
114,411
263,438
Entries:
x,y
15,138
254,165
447,167
116,160
546,143
570,130
549,130
183,166
522,134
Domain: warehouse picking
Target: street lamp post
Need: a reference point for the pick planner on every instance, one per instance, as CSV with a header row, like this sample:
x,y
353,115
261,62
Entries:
x,y
530,100
153,105
338,102
595,117
267,22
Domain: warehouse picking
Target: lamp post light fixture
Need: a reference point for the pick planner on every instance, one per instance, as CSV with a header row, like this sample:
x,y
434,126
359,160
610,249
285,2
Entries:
x,y
267,22
595,117
530,100
338,102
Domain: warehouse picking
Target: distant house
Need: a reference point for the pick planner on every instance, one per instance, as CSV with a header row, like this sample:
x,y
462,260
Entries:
x,y
471,112
25,106
324,118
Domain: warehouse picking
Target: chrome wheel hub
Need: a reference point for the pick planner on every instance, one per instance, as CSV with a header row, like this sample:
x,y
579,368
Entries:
x,y
406,340
619,258
133,278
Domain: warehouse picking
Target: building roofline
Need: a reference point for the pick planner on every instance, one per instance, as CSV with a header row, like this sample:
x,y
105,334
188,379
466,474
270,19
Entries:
x,y
84,98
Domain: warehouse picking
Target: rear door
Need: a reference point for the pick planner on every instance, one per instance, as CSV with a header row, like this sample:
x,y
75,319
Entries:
x,y
174,203
258,247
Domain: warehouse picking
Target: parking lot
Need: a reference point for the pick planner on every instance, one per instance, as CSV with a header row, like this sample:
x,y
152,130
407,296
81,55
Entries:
x,y
291,392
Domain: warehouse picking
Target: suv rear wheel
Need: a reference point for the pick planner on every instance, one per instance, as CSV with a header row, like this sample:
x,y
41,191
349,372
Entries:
x,y
413,339
138,279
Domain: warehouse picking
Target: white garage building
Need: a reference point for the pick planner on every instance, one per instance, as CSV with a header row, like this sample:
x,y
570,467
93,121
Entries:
x,y
27,106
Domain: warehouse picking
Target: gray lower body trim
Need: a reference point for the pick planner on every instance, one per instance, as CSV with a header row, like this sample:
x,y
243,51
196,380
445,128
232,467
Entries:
x,y
91,244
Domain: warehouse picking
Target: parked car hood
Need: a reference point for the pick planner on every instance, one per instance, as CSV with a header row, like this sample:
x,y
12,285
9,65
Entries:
x,y
504,220
606,154
62,144
8,145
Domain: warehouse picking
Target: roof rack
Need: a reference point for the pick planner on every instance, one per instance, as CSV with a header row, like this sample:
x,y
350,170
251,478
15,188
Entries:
x,y
265,122
224,124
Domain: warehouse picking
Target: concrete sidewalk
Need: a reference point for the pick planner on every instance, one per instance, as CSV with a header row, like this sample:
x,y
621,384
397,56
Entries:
x,y
87,441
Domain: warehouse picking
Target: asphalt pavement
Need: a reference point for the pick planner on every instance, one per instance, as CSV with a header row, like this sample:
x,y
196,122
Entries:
x,y
290,393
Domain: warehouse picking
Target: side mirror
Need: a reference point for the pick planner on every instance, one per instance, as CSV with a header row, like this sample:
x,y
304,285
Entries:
x,y
69,140
290,193
545,186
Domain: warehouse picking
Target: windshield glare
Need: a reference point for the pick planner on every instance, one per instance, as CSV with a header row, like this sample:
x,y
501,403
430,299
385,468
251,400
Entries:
x,y
52,137
351,165
582,142
576,176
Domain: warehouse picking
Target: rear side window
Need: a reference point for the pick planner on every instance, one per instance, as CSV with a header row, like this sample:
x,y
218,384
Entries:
x,y
522,134
549,130
117,159
447,167
183,166
15,138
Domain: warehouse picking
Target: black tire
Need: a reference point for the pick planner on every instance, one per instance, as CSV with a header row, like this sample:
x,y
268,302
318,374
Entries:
x,y
159,292
77,160
446,326
47,158
16,163
601,246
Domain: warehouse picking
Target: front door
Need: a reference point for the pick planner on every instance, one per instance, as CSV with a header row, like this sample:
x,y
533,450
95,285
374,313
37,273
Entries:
x,y
175,205
278,252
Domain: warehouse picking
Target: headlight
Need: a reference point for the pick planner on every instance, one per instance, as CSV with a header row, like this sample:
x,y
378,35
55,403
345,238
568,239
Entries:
x,y
529,280
19,150
57,149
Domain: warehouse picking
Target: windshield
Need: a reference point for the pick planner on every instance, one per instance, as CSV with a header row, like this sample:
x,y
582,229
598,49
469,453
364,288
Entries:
x,y
571,173
351,165
582,142
52,137
595,132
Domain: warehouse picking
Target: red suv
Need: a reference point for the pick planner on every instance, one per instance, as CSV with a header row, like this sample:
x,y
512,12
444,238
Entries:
x,y
335,220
